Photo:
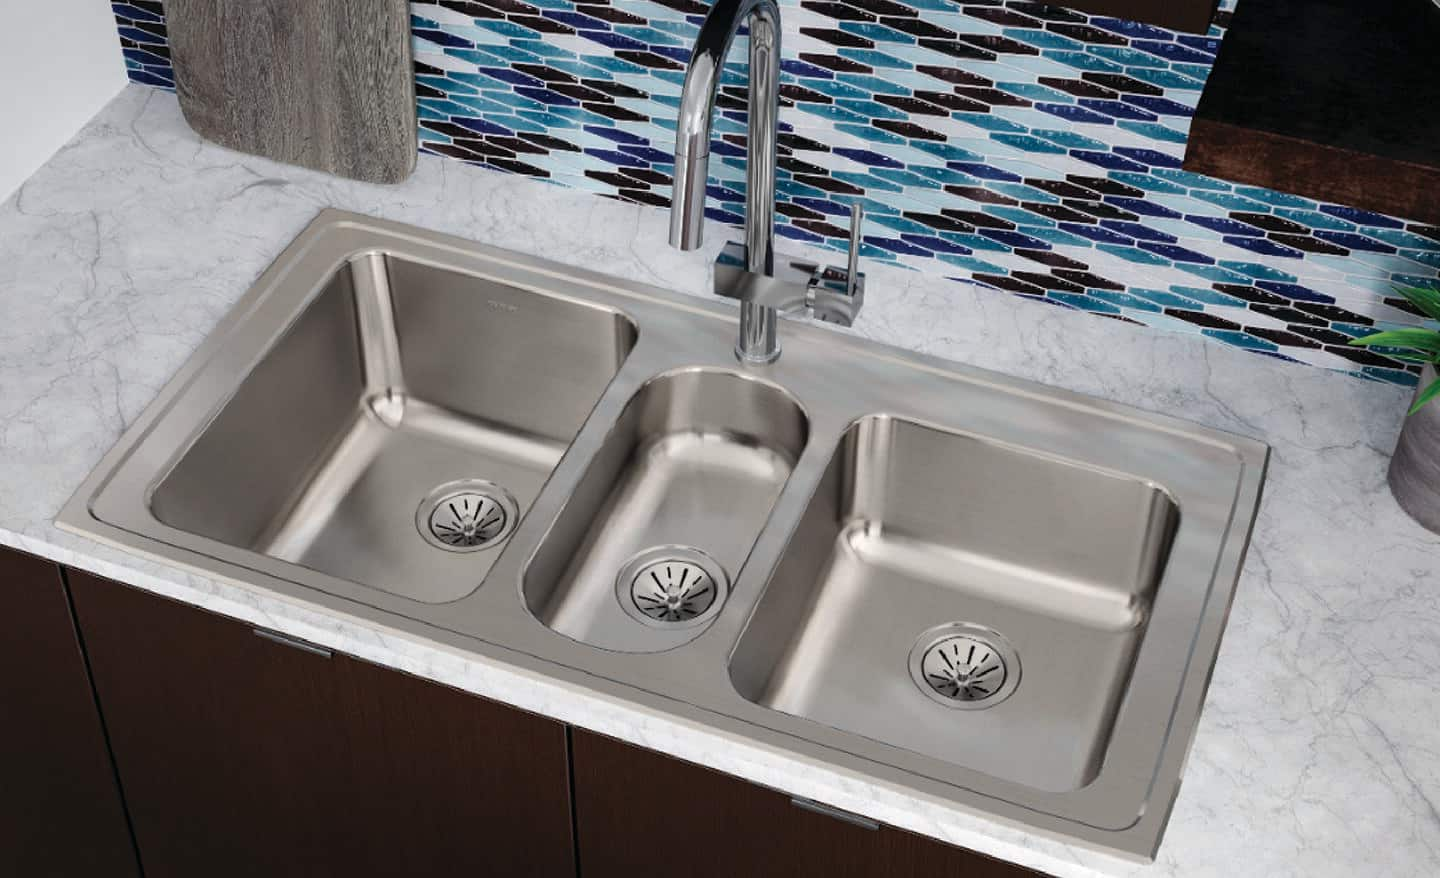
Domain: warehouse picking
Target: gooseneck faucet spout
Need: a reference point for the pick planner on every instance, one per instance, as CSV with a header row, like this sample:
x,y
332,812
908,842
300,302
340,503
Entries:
x,y
758,343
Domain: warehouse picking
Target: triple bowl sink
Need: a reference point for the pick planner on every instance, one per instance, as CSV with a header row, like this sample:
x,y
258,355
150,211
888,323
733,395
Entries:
x,y
966,586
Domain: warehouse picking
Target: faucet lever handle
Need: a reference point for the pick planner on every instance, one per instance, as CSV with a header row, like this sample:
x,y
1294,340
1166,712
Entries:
x,y
852,266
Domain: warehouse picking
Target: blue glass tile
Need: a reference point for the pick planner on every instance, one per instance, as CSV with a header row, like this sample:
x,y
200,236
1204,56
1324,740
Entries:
x,y
1148,182
1401,238
1142,207
1176,253
947,151
870,133
1028,143
576,20
1151,157
868,157
1208,45
1137,231
1391,376
1118,109
1214,273
1240,340
1412,280
874,58
1041,39
1035,92
804,69
1164,299
1070,139
1134,30
1295,291
990,123
938,245
1166,78
1353,241
984,171
1160,105
1361,217
480,126
895,245
1015,239
1074,113
1154,131
1175,53
1258,271
1057,237
832,113
1126,57
1226,226
1230,201
1109,161
1265,246
1095,233
1085,61
1082,302
1124,300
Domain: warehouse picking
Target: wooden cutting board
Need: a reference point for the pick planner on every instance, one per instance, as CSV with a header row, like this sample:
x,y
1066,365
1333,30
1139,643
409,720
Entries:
x,y
325,84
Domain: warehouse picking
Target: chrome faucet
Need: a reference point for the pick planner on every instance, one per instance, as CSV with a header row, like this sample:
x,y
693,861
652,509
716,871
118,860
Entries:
x,y
765,284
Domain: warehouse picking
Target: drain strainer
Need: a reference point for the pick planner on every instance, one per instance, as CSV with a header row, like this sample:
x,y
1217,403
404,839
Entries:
x,y
466,516
671,587
964,666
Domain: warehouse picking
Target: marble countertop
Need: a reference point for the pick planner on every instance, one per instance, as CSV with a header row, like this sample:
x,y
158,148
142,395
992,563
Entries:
x,y
1318,752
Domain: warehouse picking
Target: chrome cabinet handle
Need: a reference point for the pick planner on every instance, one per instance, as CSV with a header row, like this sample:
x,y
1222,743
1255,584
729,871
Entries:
x,y
292,642
821,808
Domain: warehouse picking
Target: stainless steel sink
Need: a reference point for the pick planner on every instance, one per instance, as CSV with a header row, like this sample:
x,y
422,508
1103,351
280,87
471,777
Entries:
x,y
667,511
972,587
397,411
1019,584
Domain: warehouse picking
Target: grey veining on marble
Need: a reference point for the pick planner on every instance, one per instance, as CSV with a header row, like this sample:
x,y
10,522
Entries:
x,y
1319,750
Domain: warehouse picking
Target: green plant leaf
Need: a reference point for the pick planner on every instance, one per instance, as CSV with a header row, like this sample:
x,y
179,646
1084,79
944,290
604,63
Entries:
x,y
1426,395
1427,340
1424,298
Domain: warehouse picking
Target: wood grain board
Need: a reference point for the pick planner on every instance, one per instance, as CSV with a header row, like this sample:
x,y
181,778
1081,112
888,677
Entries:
x,y
324,84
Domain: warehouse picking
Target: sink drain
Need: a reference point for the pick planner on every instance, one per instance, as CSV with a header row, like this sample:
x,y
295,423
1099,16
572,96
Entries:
x,y
964,666
671,587
466,516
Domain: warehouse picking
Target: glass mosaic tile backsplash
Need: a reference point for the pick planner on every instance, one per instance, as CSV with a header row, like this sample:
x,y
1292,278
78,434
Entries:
x,y
1027,148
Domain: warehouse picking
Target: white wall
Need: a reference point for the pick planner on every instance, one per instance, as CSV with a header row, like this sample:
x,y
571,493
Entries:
x,y
60,62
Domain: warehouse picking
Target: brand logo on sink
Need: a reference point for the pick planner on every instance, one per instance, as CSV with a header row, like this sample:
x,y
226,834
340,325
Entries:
x,y
502,306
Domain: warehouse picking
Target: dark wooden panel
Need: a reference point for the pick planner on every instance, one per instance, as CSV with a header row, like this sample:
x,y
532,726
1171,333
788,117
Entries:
x,y
325,84
1302,167
1319,98
641,813
1187,15
242,756
60,811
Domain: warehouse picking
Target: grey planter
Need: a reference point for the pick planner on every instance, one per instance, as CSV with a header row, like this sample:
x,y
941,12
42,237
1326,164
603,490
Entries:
x,y
1415,468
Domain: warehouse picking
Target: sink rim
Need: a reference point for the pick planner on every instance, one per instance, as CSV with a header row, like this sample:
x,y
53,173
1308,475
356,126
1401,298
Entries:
x,y
485,622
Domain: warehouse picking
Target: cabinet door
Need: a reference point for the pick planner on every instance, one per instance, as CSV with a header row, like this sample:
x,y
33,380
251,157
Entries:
x,y
243,755
60,811
641,813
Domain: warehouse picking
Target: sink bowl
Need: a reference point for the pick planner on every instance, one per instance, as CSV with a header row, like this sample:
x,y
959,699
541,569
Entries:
x,y
963,585
396,432
642,555
970,601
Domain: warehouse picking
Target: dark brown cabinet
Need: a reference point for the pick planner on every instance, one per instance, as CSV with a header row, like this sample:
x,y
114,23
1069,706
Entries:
x,y
138,728
60,811
240,755
641,813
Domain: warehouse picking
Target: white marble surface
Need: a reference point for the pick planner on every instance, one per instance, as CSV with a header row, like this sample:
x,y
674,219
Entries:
x,y
1319,750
